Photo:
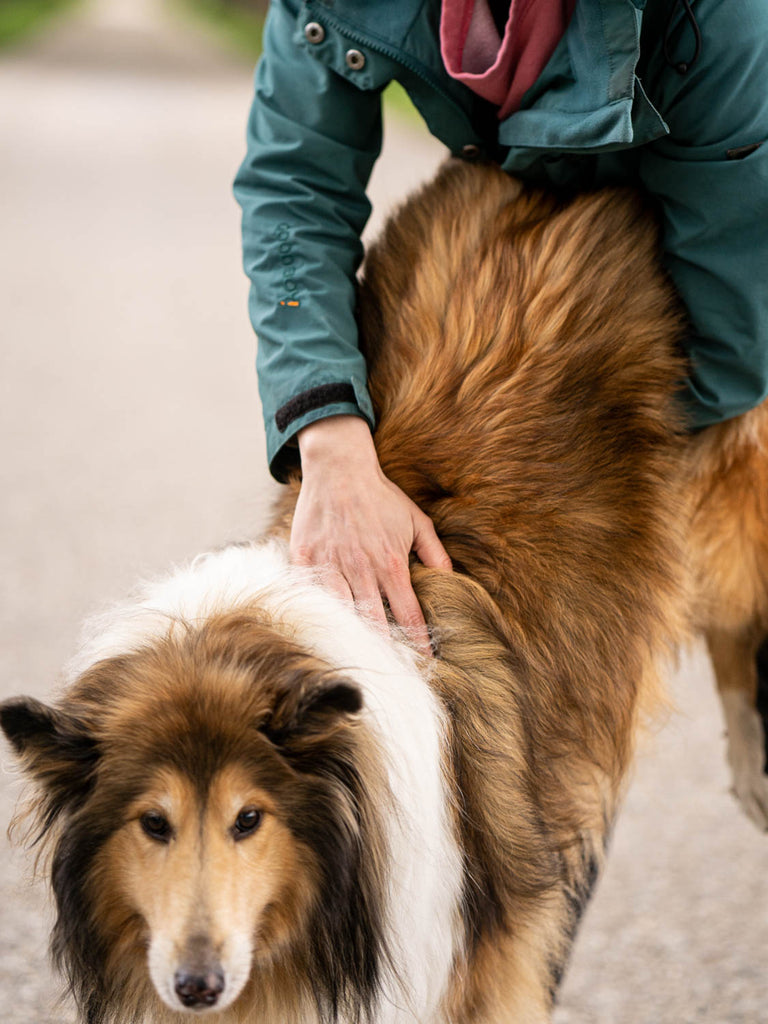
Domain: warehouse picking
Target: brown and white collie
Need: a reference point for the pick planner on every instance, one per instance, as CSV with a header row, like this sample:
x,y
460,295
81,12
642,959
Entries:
x,y
259,807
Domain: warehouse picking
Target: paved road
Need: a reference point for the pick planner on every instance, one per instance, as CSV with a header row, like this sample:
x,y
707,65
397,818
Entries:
x,y
131,438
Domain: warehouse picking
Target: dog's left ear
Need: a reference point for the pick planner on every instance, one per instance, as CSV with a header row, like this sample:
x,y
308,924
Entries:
x,y
331,700
55,750
302,709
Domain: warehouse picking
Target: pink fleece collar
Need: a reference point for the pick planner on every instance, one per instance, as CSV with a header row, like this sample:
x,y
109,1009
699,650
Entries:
x,y
501,70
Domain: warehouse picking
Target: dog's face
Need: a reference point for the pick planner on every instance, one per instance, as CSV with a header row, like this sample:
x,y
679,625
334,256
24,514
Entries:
x,y
202,802
216,878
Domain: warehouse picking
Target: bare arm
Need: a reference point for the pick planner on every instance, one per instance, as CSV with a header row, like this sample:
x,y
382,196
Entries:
x,y
354,520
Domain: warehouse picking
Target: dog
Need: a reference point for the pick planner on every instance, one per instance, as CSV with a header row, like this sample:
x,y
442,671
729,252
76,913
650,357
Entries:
x,y
260,808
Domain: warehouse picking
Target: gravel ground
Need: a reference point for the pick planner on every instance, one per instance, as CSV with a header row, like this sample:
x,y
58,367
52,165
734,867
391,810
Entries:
x,y
132,439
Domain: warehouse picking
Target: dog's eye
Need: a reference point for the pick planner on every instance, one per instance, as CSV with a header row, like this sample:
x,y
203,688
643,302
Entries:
x,y
247,821
156,826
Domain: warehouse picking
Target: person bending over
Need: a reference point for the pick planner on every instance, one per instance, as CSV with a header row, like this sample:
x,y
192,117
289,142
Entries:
x,y
667,95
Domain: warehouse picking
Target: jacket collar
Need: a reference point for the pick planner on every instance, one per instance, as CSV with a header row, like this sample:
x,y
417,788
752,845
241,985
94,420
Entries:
x,y
587,99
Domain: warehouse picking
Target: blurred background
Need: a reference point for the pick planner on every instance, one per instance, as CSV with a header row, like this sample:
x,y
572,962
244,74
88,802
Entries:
x,y
132,439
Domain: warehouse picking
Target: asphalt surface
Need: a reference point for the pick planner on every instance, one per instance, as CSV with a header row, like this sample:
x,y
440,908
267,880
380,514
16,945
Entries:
x,y
131,439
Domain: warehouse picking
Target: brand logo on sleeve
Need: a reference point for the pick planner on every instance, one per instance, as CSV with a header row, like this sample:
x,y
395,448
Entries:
x,y
289,261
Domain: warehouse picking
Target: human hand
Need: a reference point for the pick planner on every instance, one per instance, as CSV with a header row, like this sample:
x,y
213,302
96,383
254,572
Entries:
x,y
353,520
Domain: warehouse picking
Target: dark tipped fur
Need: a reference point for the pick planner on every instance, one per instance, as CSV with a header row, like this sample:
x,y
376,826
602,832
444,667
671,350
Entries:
x,y
57,750
78,948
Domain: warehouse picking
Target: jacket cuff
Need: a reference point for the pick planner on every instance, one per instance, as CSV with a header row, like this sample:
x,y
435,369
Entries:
x,y
295,408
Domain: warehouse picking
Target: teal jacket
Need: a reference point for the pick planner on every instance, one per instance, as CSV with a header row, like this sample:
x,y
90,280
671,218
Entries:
x,y
672,99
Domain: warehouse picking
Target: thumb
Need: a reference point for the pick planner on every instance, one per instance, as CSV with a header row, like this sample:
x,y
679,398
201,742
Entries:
x,y
428,545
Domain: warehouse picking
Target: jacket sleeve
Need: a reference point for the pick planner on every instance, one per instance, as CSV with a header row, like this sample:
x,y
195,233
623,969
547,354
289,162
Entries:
x,y
313,137
711,177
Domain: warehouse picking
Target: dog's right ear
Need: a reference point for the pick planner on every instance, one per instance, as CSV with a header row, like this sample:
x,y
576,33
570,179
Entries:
x,y
55,750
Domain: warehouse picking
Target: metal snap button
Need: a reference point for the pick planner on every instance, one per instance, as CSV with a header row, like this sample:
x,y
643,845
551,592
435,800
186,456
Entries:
x,y
470,151
314,32
355,60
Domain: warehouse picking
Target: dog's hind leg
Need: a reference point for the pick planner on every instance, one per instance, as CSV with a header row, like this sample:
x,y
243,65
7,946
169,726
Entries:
x,y
740,661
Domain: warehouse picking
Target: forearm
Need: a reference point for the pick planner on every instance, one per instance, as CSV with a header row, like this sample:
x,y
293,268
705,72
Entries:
x,y
312,140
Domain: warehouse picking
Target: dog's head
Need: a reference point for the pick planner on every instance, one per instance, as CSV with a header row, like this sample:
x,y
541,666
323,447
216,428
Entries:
x,y
207,802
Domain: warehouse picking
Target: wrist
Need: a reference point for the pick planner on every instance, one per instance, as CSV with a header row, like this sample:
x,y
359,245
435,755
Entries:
x,y
336,439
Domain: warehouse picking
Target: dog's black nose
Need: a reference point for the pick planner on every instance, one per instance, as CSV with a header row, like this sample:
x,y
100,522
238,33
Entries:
x,y
199,989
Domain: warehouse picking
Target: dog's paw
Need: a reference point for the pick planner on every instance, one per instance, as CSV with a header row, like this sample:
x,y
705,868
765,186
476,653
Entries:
x,y
746,756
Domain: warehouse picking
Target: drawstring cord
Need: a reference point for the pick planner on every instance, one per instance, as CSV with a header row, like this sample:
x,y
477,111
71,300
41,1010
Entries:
x,y
682,67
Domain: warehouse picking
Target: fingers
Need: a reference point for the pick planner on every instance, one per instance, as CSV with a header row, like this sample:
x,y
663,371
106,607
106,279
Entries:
x,y
361,579
334,581
349,575
356,579
394,580
406,609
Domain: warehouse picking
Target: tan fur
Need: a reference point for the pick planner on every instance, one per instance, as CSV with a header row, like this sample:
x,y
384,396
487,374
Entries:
x,y
729,542
204,889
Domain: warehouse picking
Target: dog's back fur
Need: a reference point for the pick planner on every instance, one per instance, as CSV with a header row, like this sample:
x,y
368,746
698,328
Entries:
x,y
523,366
523,362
